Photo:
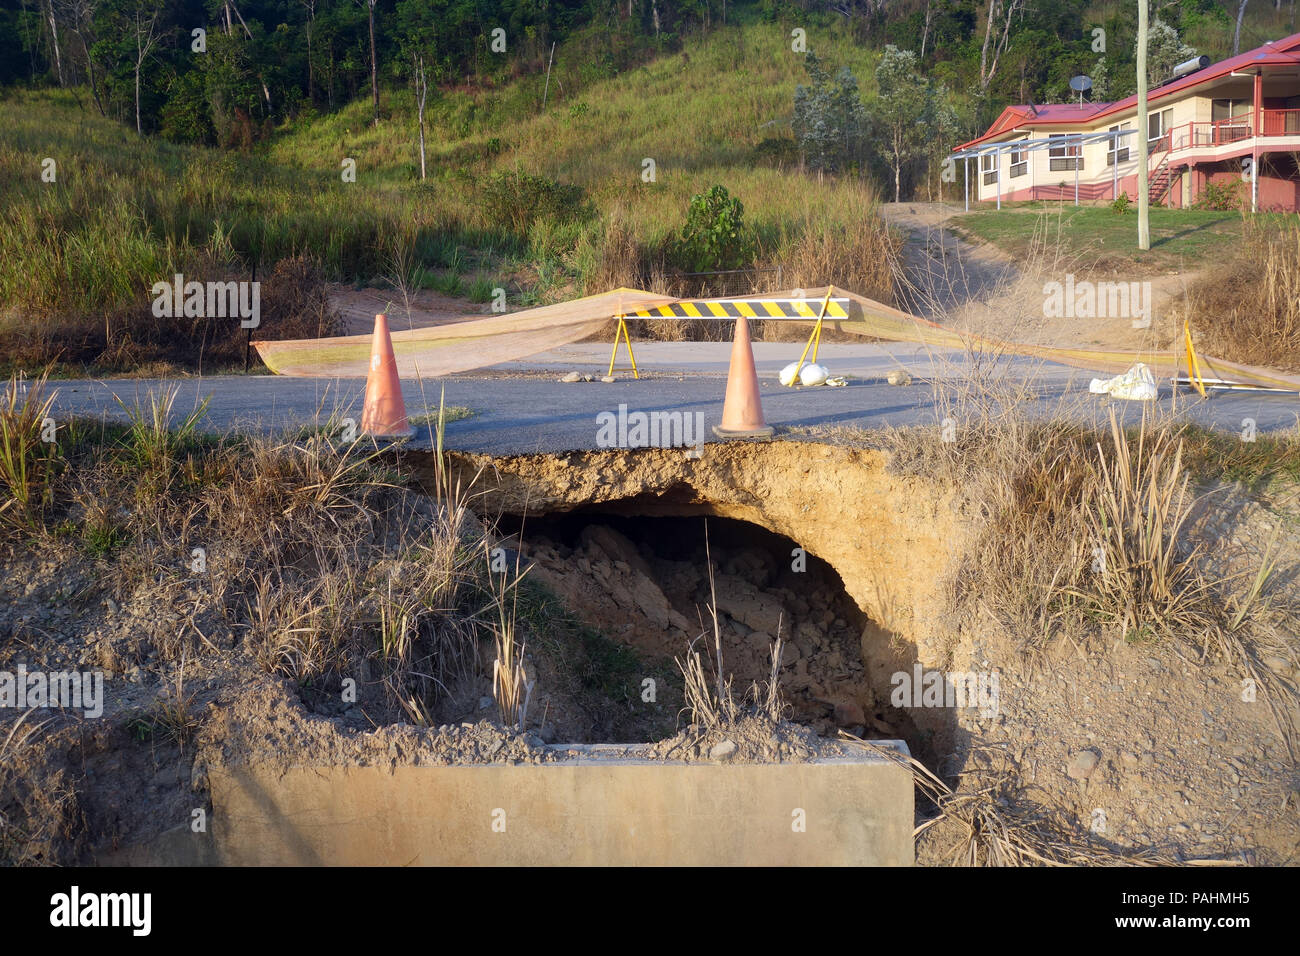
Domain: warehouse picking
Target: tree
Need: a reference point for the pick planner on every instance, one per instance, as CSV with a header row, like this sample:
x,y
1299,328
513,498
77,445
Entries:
x,y
421,94
230,4
311,22
231,88
1165,50
54,38
830,122
374,60
1100,74
899,108
81,13
997,33
418,23
139,21
941,122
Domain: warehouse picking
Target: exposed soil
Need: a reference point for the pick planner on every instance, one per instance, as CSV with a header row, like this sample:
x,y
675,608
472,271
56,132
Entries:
x,y
1159,742
645,582
357,308
968,284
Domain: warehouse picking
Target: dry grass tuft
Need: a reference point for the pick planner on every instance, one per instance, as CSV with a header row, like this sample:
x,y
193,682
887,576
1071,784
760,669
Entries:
x,y
1084,537
1144,579
713,705
302,551
511,687
851,248
1247,309
987,821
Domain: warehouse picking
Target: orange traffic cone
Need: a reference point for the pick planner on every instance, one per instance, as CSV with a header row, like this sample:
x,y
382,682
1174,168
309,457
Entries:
x,y
742,412
384,414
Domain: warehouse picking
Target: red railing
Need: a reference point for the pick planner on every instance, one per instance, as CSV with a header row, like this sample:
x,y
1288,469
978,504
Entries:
x,y
1281,123
1227,131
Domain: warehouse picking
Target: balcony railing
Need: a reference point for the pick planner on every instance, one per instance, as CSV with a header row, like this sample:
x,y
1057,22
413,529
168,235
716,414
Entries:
x,y
1225,132
1281,123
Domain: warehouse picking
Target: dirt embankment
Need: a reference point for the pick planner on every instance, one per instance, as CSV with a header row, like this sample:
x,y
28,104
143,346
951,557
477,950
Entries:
x,y
1164,745
1132,747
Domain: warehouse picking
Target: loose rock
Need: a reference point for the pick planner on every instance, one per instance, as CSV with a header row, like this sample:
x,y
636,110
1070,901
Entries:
x,y
1083,764
723,750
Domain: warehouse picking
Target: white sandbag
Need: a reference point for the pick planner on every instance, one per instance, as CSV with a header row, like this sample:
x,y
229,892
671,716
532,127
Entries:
x,y
787,376
1137,384
814,374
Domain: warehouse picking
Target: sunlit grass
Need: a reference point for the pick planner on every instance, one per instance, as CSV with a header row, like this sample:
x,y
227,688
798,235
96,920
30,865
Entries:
x,y
79,255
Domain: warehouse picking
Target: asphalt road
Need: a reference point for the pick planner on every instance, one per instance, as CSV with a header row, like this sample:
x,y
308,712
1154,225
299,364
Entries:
x,y
521,408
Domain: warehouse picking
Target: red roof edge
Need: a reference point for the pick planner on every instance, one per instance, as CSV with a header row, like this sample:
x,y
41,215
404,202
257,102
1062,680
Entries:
x,y
1286,50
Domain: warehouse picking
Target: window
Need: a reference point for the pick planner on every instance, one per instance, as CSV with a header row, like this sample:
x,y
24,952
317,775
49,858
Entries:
x,y
1064,156
1226,109
1117,148
1158,130
1231,121
1018,165
989,167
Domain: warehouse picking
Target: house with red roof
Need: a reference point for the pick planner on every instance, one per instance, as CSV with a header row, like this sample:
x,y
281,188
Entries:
x,y
1221,123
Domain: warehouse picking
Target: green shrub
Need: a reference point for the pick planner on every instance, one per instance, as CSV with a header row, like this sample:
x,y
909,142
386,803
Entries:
x,y
778,152
715,236
514,201
1120,205
186,117
1219,196
480,289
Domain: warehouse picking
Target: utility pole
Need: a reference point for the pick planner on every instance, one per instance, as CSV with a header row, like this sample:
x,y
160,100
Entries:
x,y
1144,198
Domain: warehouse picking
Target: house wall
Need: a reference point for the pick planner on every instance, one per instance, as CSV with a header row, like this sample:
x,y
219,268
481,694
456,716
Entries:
x,y
1042,181
1279,183
1279,187
1279,190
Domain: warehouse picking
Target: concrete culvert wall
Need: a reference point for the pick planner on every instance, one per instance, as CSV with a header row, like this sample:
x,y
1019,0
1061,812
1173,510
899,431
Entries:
x,y
618,536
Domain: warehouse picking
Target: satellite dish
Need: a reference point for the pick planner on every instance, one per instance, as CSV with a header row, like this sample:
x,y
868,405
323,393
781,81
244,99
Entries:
x,y
1080,85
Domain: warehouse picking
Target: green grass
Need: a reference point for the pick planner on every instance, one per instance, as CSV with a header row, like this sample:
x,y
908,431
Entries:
x,y
103,540
78,256
1180,238
1214,454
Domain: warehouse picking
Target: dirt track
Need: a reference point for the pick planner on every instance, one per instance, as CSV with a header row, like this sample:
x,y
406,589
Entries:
x,y
965,283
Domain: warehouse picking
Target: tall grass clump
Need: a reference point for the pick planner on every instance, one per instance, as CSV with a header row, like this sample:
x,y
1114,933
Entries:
x,y
1143,581
27,455
1080,534
850,247
304,554
1247,308
713,704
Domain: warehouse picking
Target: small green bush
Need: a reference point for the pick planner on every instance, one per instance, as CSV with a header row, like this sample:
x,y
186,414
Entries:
x,y
715,236
1219,197
514,201
779,152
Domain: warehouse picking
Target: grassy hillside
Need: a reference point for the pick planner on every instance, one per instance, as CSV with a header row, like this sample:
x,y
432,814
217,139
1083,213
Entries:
x,y
545,203
78,255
